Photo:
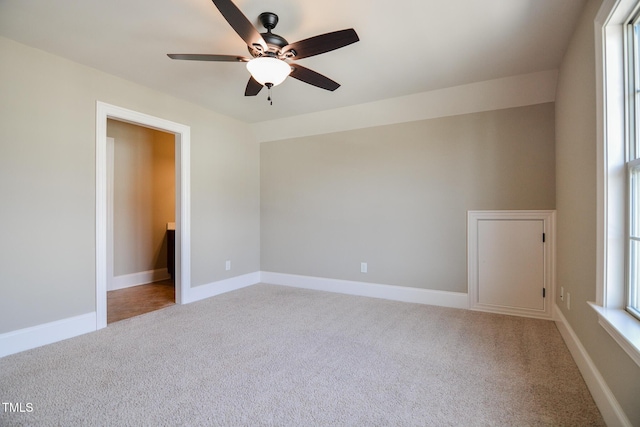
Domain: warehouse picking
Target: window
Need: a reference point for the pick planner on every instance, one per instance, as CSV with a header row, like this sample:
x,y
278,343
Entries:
x,y
618,254
633,239
632,80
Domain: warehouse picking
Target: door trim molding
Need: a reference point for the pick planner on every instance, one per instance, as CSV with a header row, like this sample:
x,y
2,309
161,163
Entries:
x,y
183,199
548,219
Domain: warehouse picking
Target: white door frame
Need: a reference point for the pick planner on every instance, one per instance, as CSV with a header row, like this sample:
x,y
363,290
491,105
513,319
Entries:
x,y
183,195
548,219
111,150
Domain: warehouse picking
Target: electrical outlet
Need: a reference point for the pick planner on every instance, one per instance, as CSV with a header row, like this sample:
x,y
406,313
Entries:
x,y
227,265
363,267
561,293
568,301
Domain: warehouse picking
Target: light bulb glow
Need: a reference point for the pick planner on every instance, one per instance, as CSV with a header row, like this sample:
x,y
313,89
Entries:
x,y
266,69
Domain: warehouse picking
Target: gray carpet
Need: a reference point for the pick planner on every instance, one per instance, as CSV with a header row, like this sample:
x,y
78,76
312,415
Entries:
x,y
278,356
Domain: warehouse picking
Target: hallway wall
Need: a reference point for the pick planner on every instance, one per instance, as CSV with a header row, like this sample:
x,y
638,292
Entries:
x,y
144,196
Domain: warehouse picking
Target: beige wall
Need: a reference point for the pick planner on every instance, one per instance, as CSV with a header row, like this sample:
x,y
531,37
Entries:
x,y
397,196
144,196
47,184
576,213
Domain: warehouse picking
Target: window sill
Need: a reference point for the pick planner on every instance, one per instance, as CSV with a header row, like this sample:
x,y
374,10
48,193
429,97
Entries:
x,y
623,328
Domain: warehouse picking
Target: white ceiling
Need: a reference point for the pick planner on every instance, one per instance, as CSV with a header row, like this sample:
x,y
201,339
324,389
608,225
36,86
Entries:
x,y
405,47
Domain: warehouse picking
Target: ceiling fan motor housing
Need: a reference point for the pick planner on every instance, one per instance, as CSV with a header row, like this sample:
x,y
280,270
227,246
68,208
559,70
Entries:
x,y
274,41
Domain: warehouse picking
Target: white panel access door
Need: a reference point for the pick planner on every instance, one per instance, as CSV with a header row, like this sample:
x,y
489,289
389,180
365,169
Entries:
x,y
510,269
511,263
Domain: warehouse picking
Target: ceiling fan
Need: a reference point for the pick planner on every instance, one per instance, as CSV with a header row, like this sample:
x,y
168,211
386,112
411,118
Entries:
x,y
272,55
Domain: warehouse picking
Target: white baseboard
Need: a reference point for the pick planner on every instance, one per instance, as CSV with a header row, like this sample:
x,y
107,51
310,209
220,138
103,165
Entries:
x,y
135,279
36,336
395,293
605,400
222,286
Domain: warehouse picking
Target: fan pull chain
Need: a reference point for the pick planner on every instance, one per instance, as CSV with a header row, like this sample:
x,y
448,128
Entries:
x,y
269,97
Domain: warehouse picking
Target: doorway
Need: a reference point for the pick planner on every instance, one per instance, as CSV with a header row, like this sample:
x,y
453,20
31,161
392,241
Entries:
x,y
141,218
182,275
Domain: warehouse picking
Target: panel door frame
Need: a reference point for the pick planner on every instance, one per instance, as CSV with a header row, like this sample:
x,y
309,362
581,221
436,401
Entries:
x,y
182,134
548,219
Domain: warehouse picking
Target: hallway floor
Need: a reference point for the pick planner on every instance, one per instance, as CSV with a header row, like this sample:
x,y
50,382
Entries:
x,y
129,302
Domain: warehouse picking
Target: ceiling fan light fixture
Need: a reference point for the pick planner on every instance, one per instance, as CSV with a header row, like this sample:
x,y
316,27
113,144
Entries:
x,y
268,70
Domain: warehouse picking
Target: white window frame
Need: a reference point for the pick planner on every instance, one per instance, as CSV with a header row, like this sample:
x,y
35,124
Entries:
x,y
610,301
633,232
632,80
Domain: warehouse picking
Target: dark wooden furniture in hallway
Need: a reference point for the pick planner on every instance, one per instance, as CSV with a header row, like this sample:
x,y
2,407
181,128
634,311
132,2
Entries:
x,y
171,249
130,302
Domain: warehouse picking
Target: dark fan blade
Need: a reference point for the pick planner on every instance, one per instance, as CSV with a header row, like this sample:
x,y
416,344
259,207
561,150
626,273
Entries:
x,y
253,88
240,23
322,43
199,57
316,79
